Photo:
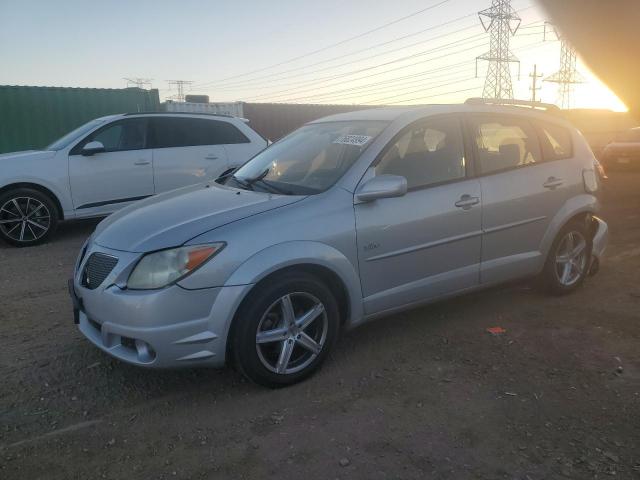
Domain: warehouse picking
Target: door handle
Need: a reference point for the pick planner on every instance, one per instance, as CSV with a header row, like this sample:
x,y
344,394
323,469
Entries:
x,y
553,182
211,157
142,162
467,201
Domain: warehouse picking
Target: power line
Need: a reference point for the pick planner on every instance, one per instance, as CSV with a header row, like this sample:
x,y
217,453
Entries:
x,y
526,47
450,82
438,95
298,87
324,94
404,37
424,52
341,42
519,49
391,83
392,88
249,82
366,69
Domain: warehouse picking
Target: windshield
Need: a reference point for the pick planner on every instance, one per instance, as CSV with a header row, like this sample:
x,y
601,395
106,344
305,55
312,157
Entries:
x,y
311,159
74,134
632,135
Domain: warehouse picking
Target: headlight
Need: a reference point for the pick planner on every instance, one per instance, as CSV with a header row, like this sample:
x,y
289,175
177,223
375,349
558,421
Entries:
x,y
159,269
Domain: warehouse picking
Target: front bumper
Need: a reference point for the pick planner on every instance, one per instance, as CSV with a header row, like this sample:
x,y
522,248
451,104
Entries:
x,y
166,328
600,237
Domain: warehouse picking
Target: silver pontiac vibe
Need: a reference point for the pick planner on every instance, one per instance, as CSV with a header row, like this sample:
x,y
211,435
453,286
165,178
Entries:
x,y
351,217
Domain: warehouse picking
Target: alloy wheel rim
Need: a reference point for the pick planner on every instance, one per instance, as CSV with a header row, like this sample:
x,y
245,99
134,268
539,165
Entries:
x,y
24,219
291,333
571,258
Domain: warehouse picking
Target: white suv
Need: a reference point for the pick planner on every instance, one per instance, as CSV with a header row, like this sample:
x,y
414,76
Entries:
x,y
112,161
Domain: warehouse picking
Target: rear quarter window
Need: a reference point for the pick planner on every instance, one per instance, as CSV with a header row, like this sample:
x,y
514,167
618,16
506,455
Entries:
x,y
555,141
228,133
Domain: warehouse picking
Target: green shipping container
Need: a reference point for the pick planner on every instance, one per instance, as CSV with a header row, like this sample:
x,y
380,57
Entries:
x,y
33,117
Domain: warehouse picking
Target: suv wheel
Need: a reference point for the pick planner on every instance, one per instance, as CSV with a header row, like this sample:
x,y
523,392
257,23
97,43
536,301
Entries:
x,y
27,217
569,259
285,330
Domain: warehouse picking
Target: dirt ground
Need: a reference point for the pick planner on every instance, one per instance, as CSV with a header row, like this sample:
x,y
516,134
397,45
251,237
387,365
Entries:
x,y
426,394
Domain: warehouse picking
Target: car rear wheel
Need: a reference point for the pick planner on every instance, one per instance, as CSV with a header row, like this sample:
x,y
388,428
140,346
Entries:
x,y
27,217
569,259
285,330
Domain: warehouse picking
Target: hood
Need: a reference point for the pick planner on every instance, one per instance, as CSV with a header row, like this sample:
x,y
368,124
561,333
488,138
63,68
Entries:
x,y
172,218
27,155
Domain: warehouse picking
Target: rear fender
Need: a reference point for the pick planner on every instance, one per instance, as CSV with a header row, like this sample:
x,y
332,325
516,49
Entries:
x,y
580,204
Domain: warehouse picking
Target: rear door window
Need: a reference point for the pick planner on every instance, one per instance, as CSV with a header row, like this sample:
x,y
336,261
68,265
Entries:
x,y
504,143
189,132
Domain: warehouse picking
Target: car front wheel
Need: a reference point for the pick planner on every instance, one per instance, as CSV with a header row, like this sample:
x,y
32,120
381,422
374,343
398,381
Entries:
x,y
27,217
285,330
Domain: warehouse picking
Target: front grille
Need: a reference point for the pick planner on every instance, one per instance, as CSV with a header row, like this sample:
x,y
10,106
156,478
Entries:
x,y
97,268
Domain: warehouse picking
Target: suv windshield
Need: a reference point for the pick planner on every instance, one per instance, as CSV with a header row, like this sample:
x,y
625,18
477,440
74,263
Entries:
x,y
74,134
632,136
311,159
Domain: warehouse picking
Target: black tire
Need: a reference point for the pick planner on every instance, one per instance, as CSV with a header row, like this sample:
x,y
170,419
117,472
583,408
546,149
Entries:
x,y
260,306
550,278
41,222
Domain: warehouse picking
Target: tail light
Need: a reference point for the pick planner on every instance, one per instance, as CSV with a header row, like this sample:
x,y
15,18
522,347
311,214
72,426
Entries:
x,y
590,180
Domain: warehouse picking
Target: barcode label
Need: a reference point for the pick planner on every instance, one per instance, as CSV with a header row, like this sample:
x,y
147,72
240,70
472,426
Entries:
x,y
356,140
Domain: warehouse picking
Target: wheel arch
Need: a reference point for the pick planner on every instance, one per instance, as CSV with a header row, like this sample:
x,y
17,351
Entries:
x,y
35,186
323,273
577,208
320,260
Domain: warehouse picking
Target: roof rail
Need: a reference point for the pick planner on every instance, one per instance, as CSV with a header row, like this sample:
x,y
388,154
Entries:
x,y
548,107
184,113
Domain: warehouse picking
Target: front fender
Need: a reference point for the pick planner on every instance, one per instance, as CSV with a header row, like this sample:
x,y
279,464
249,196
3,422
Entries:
x,y
293,253
60,192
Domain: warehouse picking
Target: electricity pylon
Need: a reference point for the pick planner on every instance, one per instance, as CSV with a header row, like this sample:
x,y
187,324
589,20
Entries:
x,y
139,82
567,77
502,22
534,83
180,84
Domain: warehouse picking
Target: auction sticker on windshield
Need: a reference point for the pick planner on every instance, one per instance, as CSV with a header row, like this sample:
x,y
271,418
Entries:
x,y
356,140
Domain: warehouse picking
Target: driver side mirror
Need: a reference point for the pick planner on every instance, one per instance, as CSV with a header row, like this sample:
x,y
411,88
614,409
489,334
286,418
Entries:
x,y
382,186
92,148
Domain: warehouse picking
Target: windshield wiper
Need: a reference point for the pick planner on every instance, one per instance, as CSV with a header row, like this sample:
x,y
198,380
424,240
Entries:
x,y
260,179
273,188
243,183
257,178
250,182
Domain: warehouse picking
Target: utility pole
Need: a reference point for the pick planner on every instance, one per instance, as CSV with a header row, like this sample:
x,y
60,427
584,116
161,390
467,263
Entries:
x,y
502,22
139,82
567,77
534,83
180,84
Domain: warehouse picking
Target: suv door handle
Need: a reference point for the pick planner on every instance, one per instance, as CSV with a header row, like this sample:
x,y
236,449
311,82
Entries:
x,y
211,157
553,182
142,162
467,201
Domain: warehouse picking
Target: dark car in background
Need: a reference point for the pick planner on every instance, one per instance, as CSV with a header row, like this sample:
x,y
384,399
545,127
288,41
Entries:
x,y
623,152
